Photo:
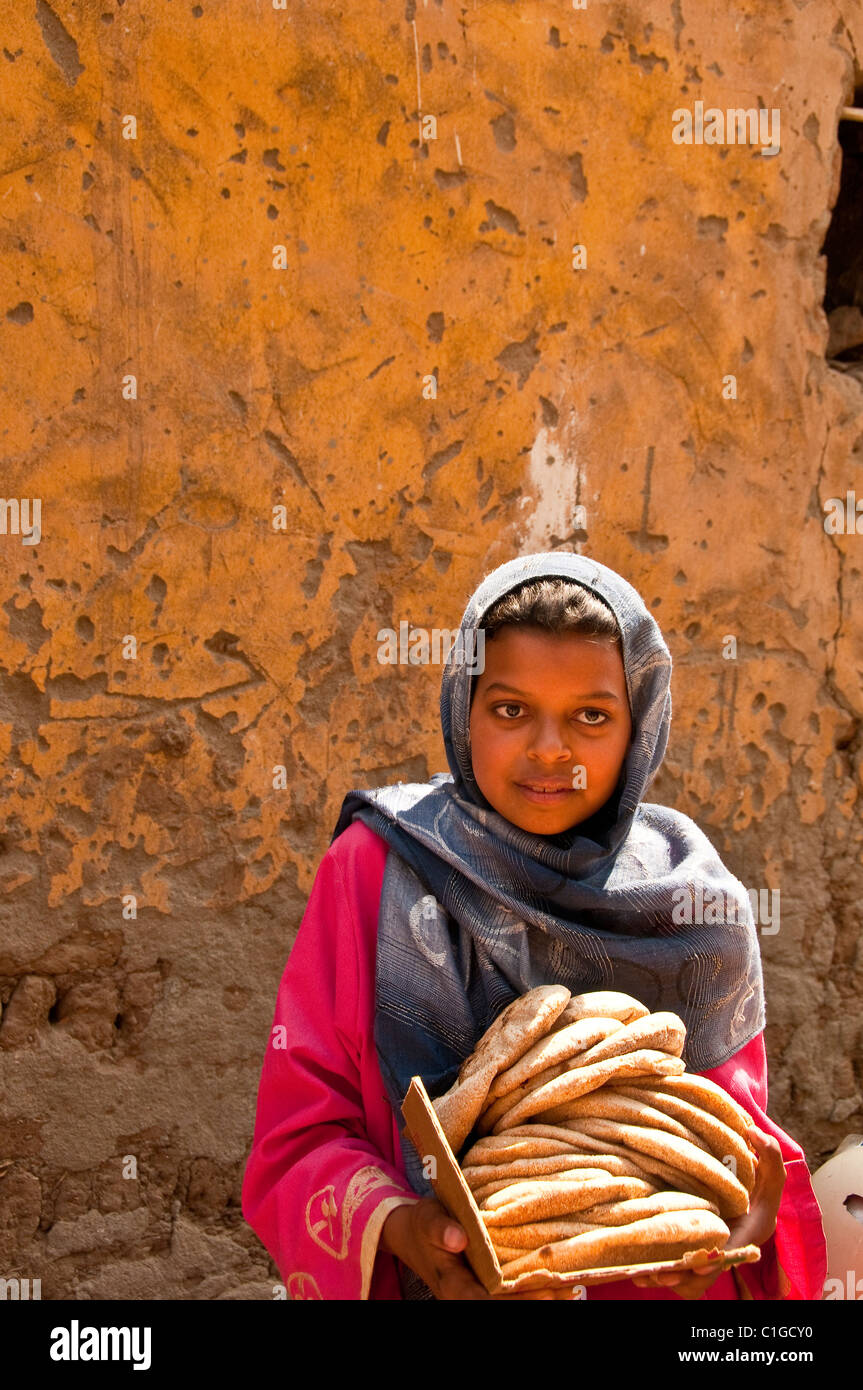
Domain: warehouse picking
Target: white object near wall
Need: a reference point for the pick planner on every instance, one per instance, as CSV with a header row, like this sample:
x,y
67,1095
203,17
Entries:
x,y
838,1186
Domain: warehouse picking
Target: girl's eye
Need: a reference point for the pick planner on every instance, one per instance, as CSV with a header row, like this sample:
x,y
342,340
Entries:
x,y
591,723
510,704
602,714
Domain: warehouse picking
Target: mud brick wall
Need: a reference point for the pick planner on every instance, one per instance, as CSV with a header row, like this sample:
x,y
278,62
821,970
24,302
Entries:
x,y
320,258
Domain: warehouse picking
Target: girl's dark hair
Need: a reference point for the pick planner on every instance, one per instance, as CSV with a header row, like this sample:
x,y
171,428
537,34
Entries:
x,y
553,605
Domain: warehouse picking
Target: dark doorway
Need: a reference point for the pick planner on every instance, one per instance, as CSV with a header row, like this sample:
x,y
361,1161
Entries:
x,y
843,247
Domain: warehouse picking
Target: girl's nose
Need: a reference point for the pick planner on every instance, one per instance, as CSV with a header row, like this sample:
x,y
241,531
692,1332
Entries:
x,y
550,743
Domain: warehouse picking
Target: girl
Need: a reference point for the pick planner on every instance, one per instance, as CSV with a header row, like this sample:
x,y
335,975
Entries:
x,y
534,861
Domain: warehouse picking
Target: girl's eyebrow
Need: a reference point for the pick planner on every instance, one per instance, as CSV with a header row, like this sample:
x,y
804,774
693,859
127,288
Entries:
x,y
587,695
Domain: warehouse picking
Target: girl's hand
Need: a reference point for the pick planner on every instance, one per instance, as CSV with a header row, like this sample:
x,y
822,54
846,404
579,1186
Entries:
x,y
756,1227
426,1238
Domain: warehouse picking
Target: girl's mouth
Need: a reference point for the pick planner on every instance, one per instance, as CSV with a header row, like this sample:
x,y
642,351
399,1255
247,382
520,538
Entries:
x,y
545,798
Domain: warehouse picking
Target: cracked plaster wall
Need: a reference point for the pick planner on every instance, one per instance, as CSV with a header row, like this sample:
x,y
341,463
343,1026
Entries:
x,y
557,388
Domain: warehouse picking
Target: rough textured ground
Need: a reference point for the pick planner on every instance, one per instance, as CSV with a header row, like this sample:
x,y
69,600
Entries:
x,y
147,770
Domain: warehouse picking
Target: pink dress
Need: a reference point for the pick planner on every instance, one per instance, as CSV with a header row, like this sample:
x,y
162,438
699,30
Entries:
x,y
326,1168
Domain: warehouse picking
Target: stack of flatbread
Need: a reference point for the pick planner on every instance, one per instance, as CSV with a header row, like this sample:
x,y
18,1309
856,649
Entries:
x,y
591,1145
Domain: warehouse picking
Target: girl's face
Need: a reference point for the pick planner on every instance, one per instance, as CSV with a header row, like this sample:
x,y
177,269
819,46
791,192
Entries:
x,y
549,711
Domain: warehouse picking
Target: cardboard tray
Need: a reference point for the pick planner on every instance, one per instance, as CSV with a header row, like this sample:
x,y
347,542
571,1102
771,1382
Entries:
x,y
424,1130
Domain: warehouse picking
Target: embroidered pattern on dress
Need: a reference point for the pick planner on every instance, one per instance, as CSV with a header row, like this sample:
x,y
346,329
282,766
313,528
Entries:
x,y
320,1212
302,1287
326,1227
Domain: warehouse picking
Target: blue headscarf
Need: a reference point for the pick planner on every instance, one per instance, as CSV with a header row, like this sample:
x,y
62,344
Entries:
x,y
475,911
